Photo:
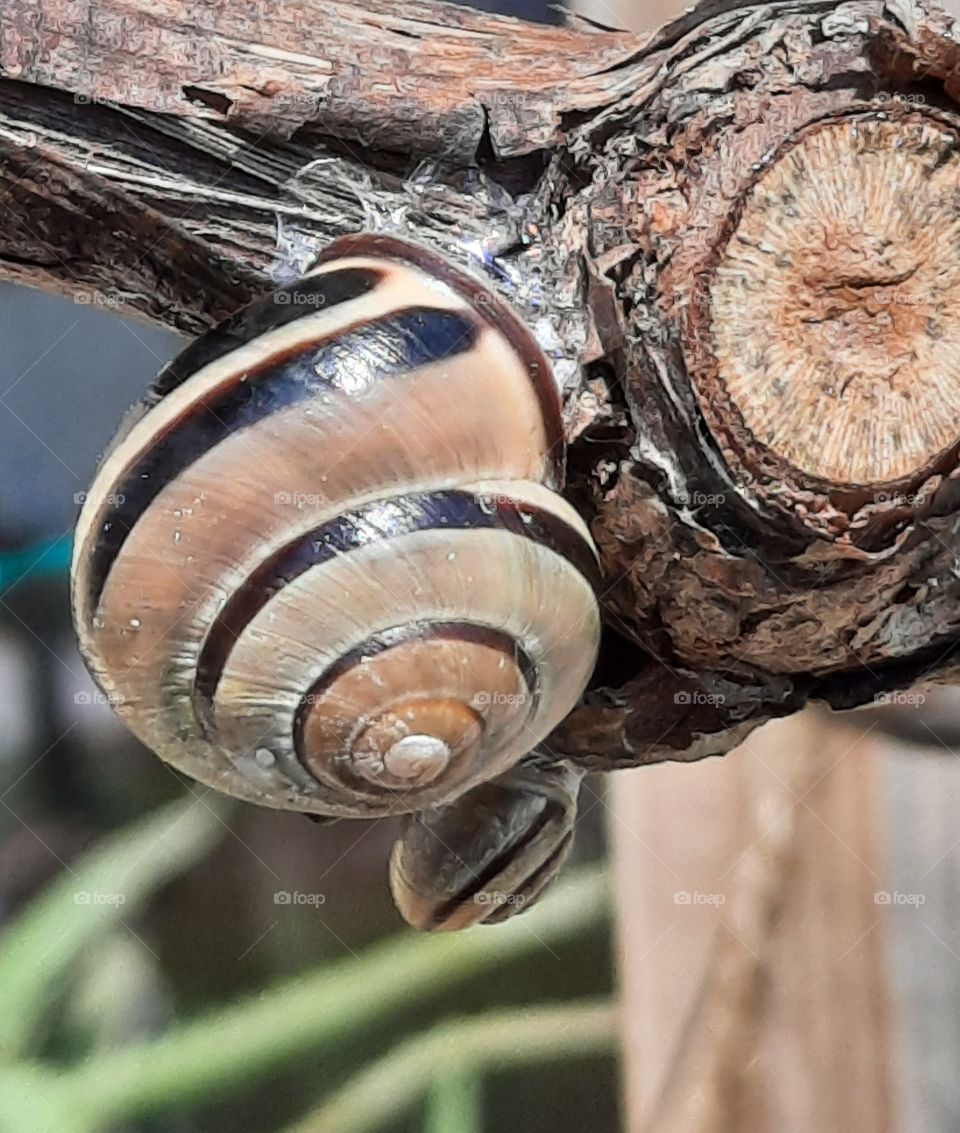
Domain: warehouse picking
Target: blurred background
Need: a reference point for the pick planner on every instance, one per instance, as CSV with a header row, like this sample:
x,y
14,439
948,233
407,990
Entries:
x,y
785,951
188,930
70,775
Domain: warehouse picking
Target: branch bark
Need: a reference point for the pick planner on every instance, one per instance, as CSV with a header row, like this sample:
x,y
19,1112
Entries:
x,y
143,143
182,158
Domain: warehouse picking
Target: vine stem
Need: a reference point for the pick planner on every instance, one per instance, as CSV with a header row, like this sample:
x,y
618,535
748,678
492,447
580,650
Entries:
x,y
461,1050
244,1042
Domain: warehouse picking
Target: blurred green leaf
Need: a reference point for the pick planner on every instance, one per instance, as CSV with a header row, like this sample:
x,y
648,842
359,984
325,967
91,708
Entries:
x,y
118,994
236,1045
455,1103
232,1047
462,1049
98,893
31,1103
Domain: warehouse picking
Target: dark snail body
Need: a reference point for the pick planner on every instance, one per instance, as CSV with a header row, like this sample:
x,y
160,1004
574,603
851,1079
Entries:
x,y
491,853
327,568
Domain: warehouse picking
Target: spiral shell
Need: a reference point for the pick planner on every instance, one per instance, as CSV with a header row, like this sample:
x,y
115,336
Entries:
x,y
327,567
491,853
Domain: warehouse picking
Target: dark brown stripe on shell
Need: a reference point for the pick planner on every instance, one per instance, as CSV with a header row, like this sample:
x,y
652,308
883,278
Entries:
x,y
447,511
366,353
295,301
529,891
489,872
490,307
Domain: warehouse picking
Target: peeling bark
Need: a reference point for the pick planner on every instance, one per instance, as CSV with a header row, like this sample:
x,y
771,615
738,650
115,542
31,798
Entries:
x,y
183,158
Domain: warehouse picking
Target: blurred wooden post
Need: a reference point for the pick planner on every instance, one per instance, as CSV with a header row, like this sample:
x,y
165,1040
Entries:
x,y
753,954
751,941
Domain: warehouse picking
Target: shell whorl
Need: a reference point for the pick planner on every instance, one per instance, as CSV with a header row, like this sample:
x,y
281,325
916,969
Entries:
x,y
327,567
491,853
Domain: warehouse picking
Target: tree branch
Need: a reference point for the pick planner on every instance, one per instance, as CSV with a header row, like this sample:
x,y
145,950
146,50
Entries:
x,y
182,158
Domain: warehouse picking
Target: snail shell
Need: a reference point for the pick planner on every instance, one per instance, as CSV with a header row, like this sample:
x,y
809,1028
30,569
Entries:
x,y
326,567
491,853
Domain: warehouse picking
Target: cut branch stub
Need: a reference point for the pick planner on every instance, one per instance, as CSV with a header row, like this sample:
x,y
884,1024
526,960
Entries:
x,y
783,522
824,341
834,308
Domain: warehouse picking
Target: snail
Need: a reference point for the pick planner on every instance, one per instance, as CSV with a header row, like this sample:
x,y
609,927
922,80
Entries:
x,y
326,566
492,852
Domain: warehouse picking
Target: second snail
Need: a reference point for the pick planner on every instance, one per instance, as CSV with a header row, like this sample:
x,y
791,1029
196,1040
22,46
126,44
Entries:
x,y
326,566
